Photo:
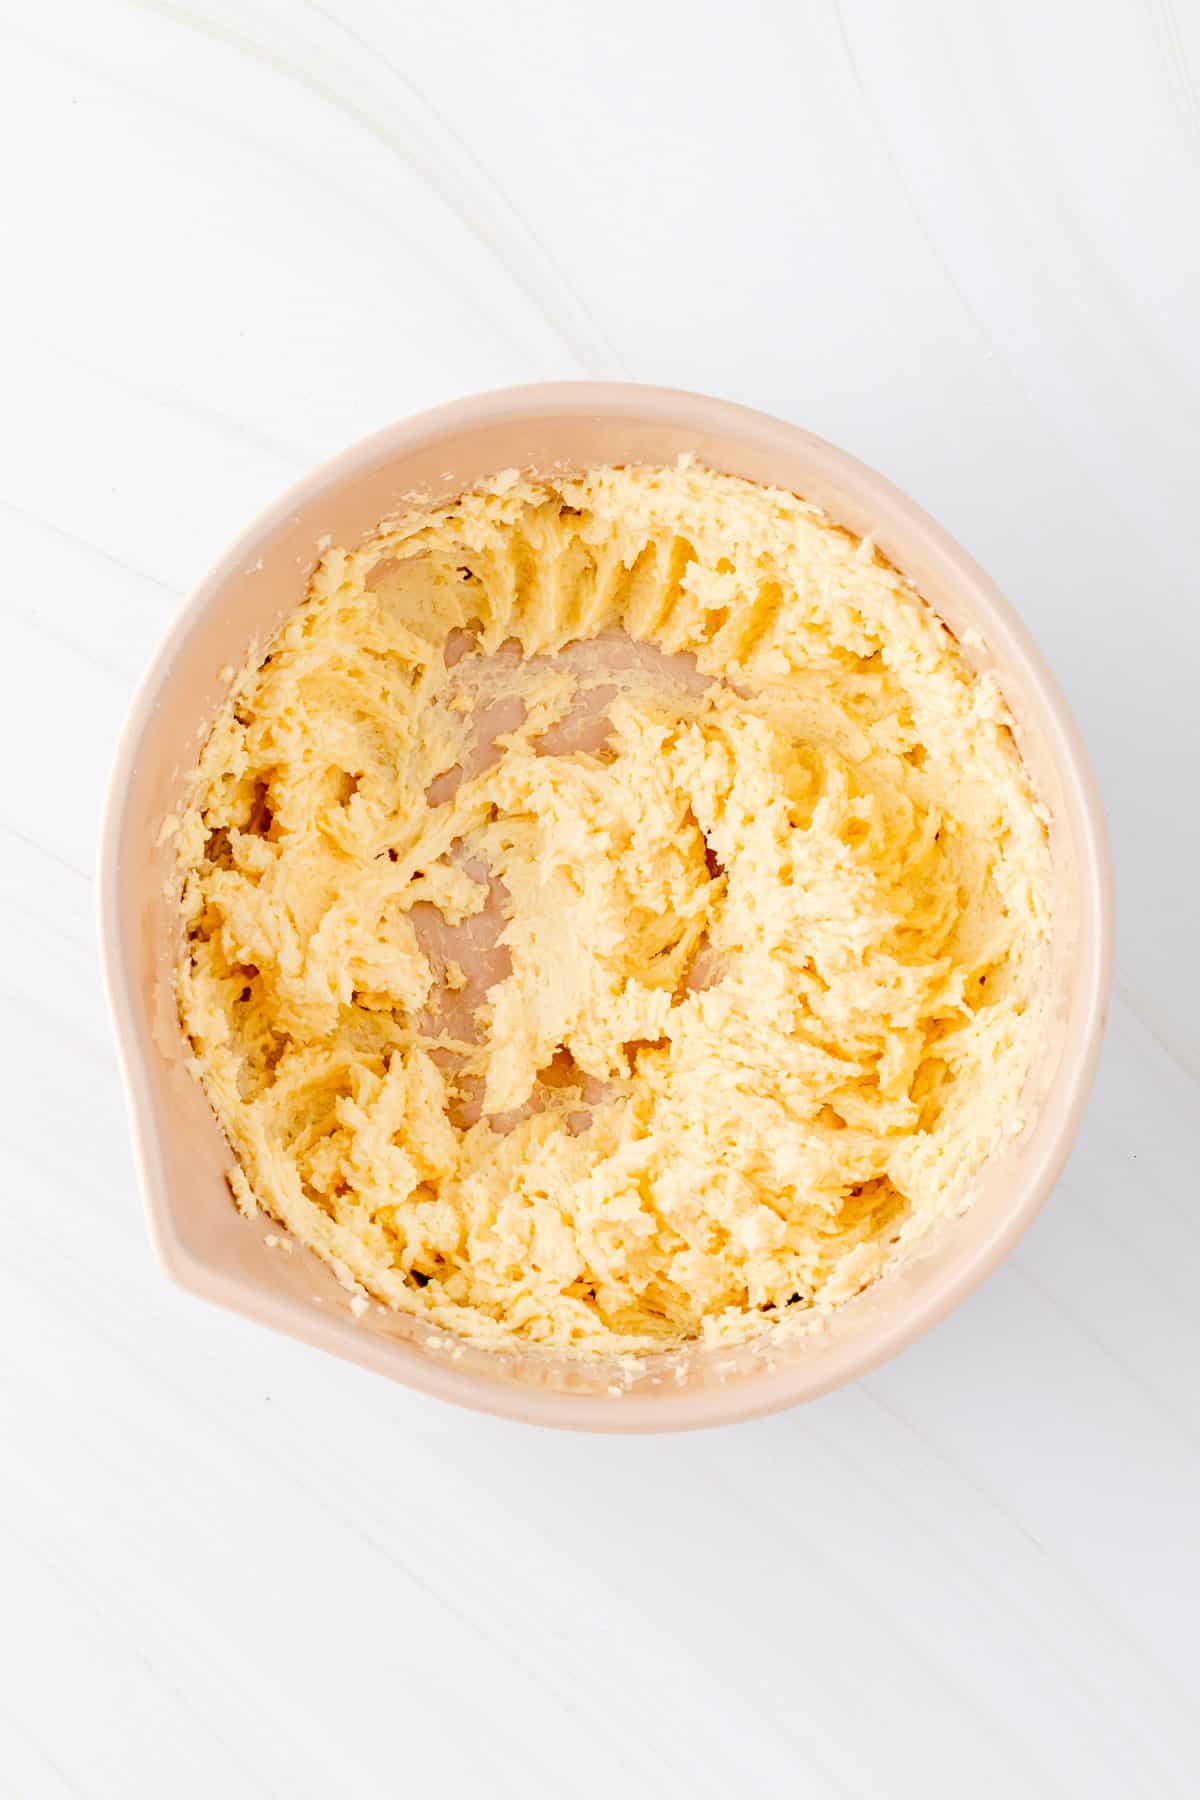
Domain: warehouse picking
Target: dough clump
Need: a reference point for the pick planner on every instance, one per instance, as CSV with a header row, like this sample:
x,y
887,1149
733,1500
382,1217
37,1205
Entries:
x,y
614,913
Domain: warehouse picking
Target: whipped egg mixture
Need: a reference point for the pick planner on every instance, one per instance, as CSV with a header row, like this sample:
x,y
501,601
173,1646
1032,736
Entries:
x,y
614,913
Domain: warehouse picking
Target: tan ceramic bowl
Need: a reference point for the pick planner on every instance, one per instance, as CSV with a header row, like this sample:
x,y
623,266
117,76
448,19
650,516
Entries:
x,y
211,1250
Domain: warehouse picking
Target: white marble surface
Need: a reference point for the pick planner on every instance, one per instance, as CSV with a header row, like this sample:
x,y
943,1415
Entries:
x,y
961,241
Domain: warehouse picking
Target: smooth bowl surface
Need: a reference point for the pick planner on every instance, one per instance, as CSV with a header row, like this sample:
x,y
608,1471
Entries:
x,y
208,1248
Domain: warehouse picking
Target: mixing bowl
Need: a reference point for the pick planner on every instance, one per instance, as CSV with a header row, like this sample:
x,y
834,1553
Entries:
x,y
211,1250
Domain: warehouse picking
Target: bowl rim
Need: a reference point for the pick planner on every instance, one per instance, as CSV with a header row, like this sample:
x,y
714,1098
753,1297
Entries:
x,y
788,1384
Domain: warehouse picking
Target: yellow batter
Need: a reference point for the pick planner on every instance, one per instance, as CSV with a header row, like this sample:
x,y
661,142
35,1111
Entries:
x,y
614,913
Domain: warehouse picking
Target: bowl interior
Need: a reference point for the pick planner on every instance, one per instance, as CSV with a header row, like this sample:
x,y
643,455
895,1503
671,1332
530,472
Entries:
x,y
183,1157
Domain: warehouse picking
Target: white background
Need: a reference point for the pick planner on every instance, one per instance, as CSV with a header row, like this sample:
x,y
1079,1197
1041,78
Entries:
x,y
962,240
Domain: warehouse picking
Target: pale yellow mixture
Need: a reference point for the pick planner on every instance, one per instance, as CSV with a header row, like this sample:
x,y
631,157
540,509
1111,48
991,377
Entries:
x,y
615,914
